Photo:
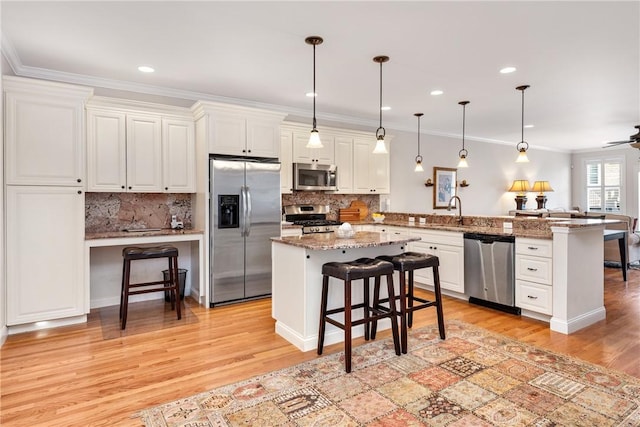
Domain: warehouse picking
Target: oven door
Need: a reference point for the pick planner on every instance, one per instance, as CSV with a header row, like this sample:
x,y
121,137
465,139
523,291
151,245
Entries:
x,y
312,177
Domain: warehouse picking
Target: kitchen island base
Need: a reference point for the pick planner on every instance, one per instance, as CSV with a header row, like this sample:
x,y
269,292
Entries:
x,y
297,290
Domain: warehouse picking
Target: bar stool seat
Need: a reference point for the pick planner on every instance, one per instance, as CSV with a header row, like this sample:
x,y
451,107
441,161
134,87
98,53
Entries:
x,y
408,262
132,253
363,268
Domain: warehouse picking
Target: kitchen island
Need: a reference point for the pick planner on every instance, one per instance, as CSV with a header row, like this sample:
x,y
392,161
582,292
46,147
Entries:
x,y
297,280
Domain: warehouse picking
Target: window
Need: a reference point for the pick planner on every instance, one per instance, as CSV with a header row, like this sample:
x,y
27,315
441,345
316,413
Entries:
x,y
604,185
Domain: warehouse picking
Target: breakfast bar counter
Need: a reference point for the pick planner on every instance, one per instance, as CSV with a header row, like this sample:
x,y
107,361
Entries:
x,y
297,280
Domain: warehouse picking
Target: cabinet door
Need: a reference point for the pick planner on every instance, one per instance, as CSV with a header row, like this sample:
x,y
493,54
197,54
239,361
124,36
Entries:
x,y
44,139
451,269
263,138
178,156
362,149
228,135
379,172
344,162
106,151
144,153
44,253
322,156
286,166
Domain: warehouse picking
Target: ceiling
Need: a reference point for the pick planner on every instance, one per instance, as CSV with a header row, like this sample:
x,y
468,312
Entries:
x,y
581,59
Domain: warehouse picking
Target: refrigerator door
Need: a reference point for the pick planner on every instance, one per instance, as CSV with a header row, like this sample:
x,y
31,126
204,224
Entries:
x,y
227,241
263,222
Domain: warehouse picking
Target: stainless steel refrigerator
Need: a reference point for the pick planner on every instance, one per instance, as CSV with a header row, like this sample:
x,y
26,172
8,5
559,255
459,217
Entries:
x,y
245,213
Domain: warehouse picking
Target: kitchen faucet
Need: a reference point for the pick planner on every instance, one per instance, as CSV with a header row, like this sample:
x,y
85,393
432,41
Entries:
x,y
459,208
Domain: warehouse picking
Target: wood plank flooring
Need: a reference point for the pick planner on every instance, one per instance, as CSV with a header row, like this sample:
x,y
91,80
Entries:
x,y
95,375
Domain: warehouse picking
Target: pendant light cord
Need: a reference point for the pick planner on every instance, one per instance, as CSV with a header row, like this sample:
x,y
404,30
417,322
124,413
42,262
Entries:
x,y
522,127
314,86
381,94
464,110
419,136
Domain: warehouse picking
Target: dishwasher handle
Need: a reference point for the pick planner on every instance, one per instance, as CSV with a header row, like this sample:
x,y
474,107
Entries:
x,y
489,238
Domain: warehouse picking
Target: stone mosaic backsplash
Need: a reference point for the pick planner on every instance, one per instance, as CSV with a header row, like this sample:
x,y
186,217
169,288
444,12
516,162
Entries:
x,y
335,201
118,211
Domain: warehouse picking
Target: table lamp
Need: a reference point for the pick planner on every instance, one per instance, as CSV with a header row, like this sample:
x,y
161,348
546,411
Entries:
x,y
520,186
541,187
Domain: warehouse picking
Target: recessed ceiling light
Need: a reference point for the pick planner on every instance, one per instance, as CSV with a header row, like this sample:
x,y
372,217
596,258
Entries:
x,y
146,69
507,70
529,126
436,92
385,108
311,94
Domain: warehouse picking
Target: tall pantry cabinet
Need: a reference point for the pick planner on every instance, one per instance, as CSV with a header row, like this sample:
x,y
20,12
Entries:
x,y
44,200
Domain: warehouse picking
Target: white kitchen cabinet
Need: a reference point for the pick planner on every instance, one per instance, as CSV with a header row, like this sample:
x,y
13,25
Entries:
x,y
44,132
139,147
344,162
321,156
291,232
370,171
448,247
44,256
286,163
534,275
240,131
178,156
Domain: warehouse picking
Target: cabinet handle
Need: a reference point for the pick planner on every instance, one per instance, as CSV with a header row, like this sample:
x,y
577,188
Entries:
x,y
129,188
249,150
244,151
532,248
79,180
532,269
166,188
531,297
123,187
79,192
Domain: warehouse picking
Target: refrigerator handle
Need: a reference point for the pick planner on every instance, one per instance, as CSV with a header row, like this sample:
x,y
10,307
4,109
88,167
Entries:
x,y
243,201
248,217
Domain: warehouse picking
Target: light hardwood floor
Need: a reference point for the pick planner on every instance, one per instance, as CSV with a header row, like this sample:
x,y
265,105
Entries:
x,y
94,375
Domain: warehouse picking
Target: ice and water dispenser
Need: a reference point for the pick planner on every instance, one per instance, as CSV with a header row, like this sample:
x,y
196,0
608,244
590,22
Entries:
x,y
228,210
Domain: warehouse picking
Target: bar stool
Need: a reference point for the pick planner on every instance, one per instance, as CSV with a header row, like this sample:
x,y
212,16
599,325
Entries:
x,y
171,284
363,268
405,263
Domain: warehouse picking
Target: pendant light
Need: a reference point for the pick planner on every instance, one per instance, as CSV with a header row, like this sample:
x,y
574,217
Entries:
x,y
463,153
314,138
380,147
419,167
522,146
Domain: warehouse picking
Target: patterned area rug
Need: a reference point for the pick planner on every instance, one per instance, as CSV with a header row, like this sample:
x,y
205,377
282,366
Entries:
x,y
473,378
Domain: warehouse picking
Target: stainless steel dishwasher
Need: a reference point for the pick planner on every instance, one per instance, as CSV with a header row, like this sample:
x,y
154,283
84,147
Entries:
x,y
489,271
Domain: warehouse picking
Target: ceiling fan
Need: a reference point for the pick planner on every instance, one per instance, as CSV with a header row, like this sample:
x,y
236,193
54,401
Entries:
x,y
634,140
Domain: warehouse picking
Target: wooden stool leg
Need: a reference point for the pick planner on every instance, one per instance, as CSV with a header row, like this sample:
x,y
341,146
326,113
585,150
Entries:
x,y
367,323
176,283
124,263
436,286
323,312
393,313
403,310
125,292
410,299
347,325
376,302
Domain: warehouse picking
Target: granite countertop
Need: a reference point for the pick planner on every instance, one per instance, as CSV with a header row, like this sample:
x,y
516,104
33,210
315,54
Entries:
x,y
329,241
125,234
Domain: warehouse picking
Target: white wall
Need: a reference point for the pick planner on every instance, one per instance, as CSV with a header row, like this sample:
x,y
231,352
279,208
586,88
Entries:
x,y
3,285
631,168
492,169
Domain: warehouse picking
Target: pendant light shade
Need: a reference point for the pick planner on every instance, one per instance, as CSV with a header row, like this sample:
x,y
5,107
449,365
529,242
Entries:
x,y
380,147
314,138
522,146
462,154
419,167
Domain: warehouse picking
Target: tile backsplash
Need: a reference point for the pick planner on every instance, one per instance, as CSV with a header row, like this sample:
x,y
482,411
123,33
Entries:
x,y
119,211
335,201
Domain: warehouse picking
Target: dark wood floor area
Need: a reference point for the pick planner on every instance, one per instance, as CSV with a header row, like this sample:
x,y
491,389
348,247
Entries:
x,y
93,374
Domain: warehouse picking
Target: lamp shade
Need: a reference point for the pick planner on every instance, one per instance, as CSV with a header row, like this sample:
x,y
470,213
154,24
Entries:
x,y
542,187
520,186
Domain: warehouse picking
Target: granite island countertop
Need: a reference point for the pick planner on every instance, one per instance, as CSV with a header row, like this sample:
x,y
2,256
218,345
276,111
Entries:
x,y
330,241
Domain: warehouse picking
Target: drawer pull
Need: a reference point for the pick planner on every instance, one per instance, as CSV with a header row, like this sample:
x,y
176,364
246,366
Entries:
x,y
532,269
531,297
532,248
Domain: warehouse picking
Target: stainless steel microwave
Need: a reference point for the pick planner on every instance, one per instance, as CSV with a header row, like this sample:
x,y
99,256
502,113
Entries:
x,y
314,177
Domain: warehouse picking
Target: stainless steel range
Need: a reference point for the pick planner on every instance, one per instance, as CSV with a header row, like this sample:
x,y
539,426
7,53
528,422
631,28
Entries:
x,y
312,218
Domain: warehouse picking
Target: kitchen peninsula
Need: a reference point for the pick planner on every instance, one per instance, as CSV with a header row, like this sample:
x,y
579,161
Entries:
x,y
297,280
559,273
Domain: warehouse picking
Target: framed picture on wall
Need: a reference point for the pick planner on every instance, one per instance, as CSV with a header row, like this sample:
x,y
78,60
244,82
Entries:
x,y
445,180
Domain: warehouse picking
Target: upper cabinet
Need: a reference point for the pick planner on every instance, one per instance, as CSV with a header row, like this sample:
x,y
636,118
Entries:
x,y
44,132
139,147
240,131
286,163
321,156
370,171
344,163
